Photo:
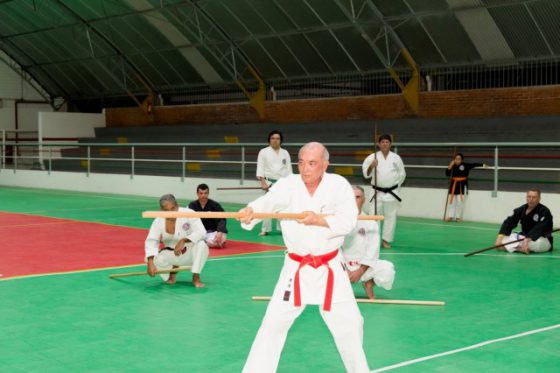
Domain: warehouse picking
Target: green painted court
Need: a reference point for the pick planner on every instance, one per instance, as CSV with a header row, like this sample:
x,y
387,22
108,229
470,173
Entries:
x,y
502,312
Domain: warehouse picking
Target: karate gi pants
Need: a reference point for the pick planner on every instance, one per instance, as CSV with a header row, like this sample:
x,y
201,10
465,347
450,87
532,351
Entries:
x,y
455,209
195,256
382,273
343,320
212,242
267,226
541,245
387,208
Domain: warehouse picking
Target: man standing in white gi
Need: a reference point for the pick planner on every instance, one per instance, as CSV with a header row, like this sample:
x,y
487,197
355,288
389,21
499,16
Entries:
x,y
312,271
183,241
273,163
386,171
361,252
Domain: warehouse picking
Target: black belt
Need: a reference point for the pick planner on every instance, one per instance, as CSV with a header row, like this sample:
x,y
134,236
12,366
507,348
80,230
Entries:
x,y
168,248
388,190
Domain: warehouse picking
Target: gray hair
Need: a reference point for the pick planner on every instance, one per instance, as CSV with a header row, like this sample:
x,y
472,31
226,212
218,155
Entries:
x,y
315,144
167,198
357,187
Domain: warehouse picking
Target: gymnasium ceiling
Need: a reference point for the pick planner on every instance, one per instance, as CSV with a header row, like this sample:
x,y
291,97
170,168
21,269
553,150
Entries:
x,y
84,49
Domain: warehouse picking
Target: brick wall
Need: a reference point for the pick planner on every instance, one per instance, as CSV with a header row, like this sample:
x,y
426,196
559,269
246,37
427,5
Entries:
x,y
474,103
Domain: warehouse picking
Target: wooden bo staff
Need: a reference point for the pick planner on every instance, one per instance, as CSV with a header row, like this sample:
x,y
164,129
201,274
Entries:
x,y
375,168
447,196
130,274
507,243
237,215
382,301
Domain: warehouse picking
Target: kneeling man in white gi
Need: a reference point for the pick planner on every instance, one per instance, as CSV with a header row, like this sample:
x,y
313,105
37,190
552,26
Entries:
x,y
361,252
183,241
313,271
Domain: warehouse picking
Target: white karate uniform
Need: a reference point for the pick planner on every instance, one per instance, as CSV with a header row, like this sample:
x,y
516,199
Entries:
x,y
273,165
455,209
541,245
390,172
211,240
361,247
333,196
189,228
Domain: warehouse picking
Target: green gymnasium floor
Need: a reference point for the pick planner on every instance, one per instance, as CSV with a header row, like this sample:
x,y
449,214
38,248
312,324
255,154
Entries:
x,y
502,312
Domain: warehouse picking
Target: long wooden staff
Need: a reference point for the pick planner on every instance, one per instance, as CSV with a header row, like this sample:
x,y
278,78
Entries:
x,y
382,301
507,243
375,168
238,215
143,273
449,185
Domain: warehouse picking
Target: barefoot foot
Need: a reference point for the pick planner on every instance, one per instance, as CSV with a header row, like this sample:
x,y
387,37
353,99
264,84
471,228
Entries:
x,y
368,286
196,281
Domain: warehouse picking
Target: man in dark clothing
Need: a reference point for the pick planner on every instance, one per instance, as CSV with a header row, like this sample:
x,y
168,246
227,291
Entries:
x,y
216,231
536,227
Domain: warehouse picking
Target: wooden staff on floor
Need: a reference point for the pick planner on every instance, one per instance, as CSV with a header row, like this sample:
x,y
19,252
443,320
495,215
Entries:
x,y
447,196
237,215
143,273
504,244
381,301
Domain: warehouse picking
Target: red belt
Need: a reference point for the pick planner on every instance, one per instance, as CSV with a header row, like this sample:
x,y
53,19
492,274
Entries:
x,y
314,261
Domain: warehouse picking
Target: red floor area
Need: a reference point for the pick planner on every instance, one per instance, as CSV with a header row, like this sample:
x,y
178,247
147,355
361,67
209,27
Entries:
x,y
39,245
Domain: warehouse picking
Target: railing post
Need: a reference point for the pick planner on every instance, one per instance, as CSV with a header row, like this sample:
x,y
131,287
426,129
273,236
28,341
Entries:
x,y
132,162
183,164
3,148
50,159
15,158
88,160
495,191
242,165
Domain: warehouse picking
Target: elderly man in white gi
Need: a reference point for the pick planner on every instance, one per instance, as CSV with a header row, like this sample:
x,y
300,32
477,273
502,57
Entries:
x,y
361,252
313,272
273,163
183,241
386,171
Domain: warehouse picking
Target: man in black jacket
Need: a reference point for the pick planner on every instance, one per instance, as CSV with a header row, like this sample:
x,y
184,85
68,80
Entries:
x,y
216,231
536,227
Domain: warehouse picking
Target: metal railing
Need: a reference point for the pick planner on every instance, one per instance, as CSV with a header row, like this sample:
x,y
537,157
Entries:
x,y
446,77
424,162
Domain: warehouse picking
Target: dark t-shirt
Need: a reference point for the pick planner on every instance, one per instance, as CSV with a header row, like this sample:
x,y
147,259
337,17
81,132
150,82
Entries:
x,y
462,170
211,225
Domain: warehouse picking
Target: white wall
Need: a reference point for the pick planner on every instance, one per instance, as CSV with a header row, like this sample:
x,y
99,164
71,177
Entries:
x,y
417,202
66,126
12,88
69,125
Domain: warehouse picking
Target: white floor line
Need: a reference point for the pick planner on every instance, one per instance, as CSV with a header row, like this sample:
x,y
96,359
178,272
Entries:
x,y
451,225
145,205
421,254
244,257
524,257
472,347
68,192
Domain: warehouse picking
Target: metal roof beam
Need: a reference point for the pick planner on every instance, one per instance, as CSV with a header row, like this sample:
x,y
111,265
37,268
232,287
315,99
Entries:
x,y
299,32
143,79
